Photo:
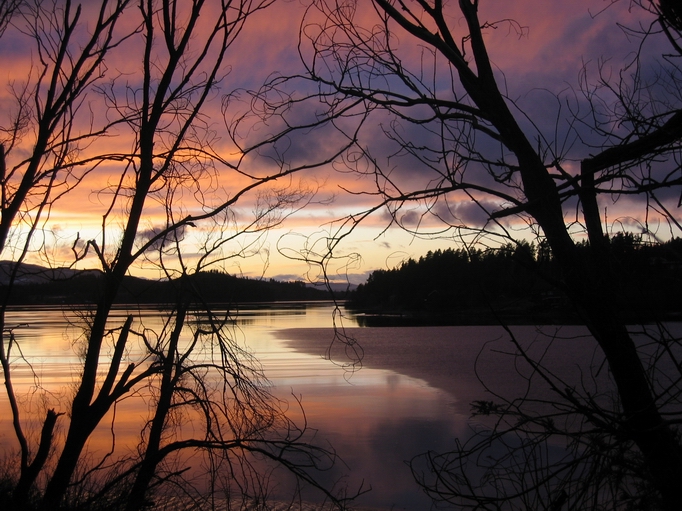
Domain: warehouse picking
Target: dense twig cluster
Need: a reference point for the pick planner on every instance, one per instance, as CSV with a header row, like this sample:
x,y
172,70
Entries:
x,y
467,161
162,188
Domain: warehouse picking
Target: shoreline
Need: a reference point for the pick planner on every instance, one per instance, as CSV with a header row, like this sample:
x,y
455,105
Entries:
x,y
469,363
431,354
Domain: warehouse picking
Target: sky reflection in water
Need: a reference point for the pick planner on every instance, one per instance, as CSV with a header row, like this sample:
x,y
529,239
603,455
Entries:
x,y
376,420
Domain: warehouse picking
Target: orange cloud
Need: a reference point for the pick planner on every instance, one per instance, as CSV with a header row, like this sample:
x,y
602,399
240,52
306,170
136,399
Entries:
x,y
542,45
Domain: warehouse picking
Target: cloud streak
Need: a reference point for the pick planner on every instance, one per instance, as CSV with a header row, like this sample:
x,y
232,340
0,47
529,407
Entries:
x,y
541,55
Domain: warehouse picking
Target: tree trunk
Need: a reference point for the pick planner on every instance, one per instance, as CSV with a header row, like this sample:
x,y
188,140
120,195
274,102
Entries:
x,y
597,294
152,456
592,290
80,430
84,414
29,474
642,421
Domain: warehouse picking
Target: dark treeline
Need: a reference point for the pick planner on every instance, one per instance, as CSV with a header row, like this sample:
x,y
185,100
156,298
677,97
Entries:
x,y
40,286
517,284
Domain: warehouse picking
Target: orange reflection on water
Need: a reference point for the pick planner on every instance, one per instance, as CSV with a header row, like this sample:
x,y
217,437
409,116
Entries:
x,y
375,420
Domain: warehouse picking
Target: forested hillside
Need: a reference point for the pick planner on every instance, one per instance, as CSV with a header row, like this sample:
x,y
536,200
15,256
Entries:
x,y
35,285
517,284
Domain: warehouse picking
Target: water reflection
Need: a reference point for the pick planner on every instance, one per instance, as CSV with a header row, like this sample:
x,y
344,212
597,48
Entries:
x,y
376,421
376,427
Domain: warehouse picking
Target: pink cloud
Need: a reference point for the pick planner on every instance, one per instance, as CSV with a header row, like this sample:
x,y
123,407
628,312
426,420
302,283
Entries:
x,y
548,53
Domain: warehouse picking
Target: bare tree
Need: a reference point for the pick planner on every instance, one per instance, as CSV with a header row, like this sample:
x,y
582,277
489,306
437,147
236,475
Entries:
x,y
195,371
47,110
448,115
7,11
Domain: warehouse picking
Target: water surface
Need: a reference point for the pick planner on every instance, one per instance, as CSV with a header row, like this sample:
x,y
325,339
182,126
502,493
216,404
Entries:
x,y
411,395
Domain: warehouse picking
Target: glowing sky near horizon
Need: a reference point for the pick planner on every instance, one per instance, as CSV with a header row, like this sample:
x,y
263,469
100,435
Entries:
x,y
559,41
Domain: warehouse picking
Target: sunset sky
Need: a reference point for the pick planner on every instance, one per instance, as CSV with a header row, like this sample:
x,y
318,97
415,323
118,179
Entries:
x,y
544,56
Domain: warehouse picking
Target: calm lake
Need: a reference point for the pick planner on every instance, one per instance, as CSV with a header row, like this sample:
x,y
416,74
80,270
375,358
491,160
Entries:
x,y
411,395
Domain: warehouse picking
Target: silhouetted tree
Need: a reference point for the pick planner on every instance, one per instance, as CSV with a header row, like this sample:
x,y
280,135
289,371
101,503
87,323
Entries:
x,y
448,114
162,186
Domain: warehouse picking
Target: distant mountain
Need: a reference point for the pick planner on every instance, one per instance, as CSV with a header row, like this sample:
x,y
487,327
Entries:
x,y
34,274
38,285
